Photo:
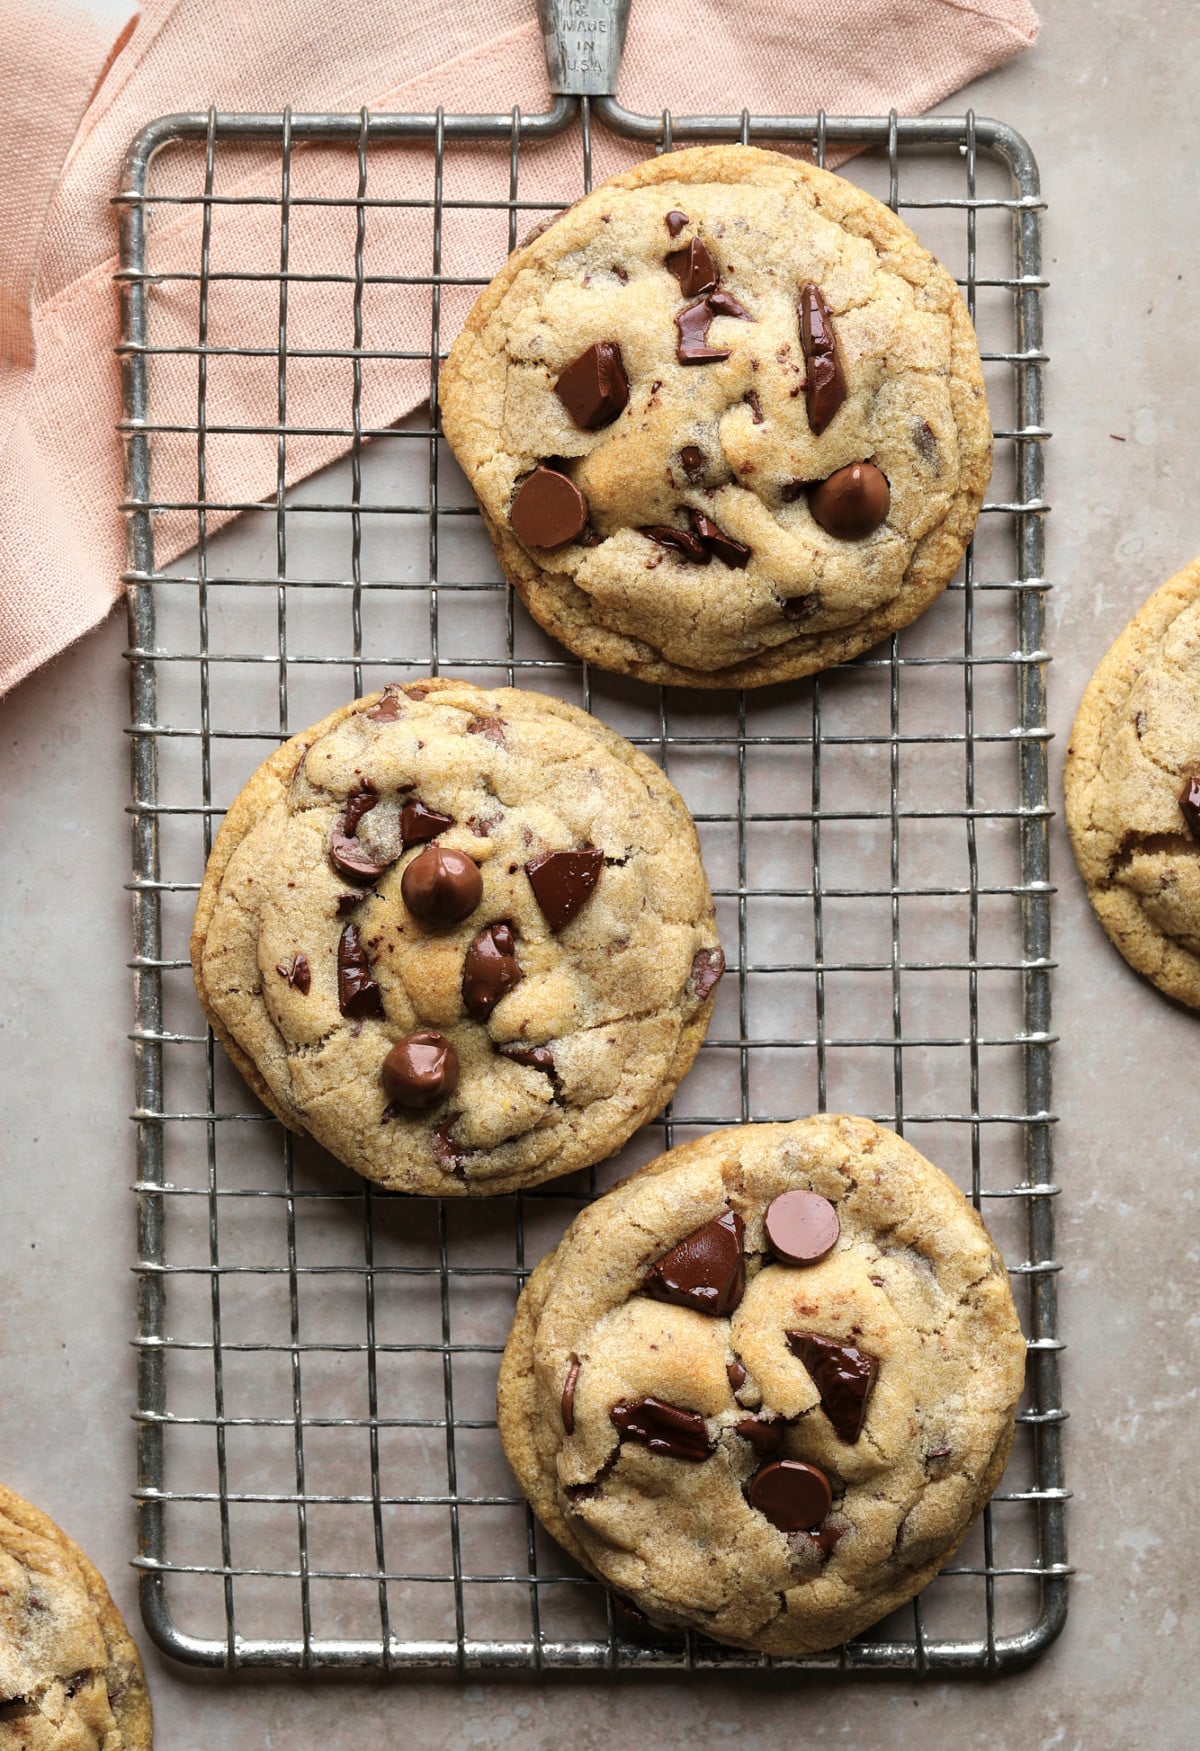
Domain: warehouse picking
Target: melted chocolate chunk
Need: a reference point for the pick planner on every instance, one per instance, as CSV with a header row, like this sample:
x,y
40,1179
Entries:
x,y
793,1496
358,994
563,882
765,1434
664,1429
418,825
680,540
826,1538
490,970
723,547
725,304
694,461
594,388
825,385
801,1227
387,709
568,1396
358,805
694,268
549,509
491,727
298,975
842,1374
852,503
441,887
1189,802
800,607
446,1152
676,221
705,1270
420,1070
708,964
755,406
693,323
737,1374
533,1057
351,859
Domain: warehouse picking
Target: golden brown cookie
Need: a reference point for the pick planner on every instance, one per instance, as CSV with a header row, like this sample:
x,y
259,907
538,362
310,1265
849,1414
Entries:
x,y
70,1676
1132,786
725,419
463,937
764,1386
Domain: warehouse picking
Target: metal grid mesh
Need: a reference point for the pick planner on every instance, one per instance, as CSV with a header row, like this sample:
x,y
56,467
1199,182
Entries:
x,y
320,1481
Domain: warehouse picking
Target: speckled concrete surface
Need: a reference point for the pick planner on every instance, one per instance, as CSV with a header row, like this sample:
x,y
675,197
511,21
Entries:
x,y
1106,100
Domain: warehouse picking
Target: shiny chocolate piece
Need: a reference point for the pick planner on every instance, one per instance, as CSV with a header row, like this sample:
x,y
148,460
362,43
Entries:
x,y
708,964
358,994
825,384
852,503
826,1538
694,461
663,1428
448,1154
694,268
737,1374
441,887
693,323
1189,802
676,221
594,388
705,1270
801,1227
350,858
842,1374
418,825
420,1070
533,1057
563,882
490,970
680,540
793,1496
765,1434
387,709
723,547
568,1396
298,974
725,304
346,903
549,509
358,805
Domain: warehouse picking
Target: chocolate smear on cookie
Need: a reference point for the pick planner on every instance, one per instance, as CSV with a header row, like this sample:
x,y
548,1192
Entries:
x,y
706,1270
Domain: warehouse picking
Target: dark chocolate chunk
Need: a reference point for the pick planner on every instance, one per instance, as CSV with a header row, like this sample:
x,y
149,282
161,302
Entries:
x,y
801,1227
842,1374
676,221
490,970
693,323
737,1374
663,1428
420,1070
358,994
549,509
347,902
358,805
1189,802
387,709
793,1496
800,607
594,388
568,1395
441,887
852,503
725,304
298,974
563,882
418,825
533,1057
680,540
755,406
765,1434
825,385
694,268
705,1270
708,964
826,1538
353,860
694,461
491,727
449,1156
723,547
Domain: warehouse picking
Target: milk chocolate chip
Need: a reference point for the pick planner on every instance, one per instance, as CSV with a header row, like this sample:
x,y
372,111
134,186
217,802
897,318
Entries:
x,y
1189,802
793,1496
298,974
563,882
724,547
852,503
801,1227
693,323
549,509
663,1428
533,1057
842,1374
825,384
418,824
680,540
441,887
420,1070
490,969
694,268
358,994
705,1270
676,221
594,388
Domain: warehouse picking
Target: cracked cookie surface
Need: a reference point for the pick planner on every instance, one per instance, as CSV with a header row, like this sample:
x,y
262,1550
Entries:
x,y
719,275
462,937
69,1673
1134,751
890,1368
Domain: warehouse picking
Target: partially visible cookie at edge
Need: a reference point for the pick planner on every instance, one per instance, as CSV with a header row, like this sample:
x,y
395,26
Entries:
x,y
1132,786
69,1672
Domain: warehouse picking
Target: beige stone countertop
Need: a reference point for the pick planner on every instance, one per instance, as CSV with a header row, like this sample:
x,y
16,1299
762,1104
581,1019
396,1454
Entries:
x,y
1107,101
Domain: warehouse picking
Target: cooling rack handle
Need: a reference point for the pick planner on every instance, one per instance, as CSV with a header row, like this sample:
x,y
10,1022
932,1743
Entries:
x,y
583,40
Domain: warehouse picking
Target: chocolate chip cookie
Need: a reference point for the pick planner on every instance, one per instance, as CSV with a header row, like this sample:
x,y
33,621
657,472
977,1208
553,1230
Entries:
x,y
725,419
1132,786
764,1386
69,1673
463,938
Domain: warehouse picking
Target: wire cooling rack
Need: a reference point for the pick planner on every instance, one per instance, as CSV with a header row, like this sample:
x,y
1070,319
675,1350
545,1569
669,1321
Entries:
x,y
320,1478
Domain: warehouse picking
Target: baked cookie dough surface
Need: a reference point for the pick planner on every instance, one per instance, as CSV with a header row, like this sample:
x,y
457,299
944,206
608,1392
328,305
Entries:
x,y
69,1674
772,594
890,1366
1132,767
572,987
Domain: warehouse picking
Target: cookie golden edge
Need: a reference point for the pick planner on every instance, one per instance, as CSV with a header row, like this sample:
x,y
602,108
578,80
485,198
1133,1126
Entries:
x,y
268,785
124,1674
937,555
518,1404
1172,969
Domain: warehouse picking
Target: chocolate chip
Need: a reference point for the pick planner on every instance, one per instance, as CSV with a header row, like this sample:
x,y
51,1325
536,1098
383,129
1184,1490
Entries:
x,y
594,388
420,1070
705,1270
491,727
298,975
694,461
825,386
737,1375
755,406
549,509
826,1538
418,825
358,805
723,547
793,1496
765,1434
801,1227
441,887
663,1428
693,323
446,1152
563,882
694,268
842,1374
1189,802
852,503
490,970
680,540
725,304
708,964
676,221
350,858
533,1057
358,994
387,709
347,902
800,607
568,1396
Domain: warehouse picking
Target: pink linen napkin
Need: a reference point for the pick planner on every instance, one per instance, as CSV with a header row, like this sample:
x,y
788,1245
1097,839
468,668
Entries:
x,y
80,77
